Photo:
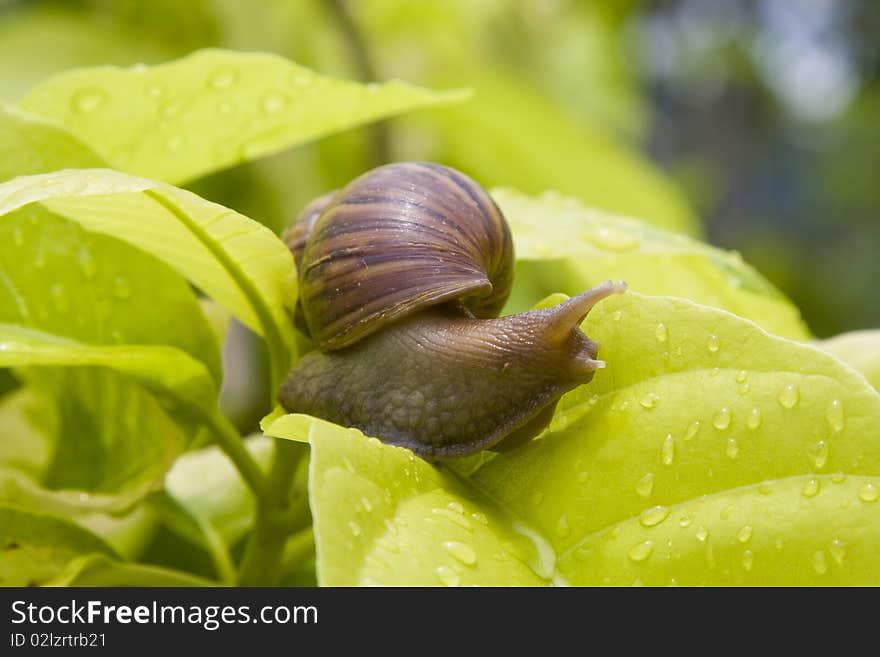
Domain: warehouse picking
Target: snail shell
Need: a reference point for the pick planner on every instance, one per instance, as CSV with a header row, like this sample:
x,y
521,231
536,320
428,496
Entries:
x,y
402,274
395,241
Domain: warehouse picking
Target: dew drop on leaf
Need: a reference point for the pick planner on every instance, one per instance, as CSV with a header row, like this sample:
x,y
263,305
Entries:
x,y
273,102
713,344
685,520
692,430
59,299
702,533
742,376
836,419
355,528
650,400
653,516
722,419
461,552
640,551
753,421
88,100
732,449
614,240
661,332
121,288
869,493
818,454
368,506
447,576
744,535
562,527
645,485
748,559
86,262
811,488
667,450
223,78
837,550
820,563
838,477
789,396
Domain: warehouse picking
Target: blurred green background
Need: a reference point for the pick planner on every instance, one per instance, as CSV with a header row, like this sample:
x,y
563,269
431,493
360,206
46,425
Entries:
x,y
751,123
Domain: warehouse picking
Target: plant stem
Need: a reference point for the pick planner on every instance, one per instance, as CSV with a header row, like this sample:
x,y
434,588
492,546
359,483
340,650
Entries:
x,y
279,514
231,443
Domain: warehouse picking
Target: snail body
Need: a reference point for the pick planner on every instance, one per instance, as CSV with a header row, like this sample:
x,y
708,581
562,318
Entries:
x,y
402,274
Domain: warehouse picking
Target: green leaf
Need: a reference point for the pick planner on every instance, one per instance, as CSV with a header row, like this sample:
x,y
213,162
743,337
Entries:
x,y
814,530
237,261
99,570
707,438
562,245
206,483
859,349
22,446
493,138
383,517
212,109
60,279
34,547
30,144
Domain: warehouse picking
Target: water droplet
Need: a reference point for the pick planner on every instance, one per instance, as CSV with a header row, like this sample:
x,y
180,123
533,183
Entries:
x,y
692,430
836,419
748,559
667,451
838,477
764,488
301,78
685,520
726,511
837,550
820,563
86,262
650,400
461,552
754,419
368,506
455,506
616,315
59,299
447,576
744,535
88,100
562,527
653,516
121,288
273,102
583,476
173,144
661,332
17,236
538,498
722,419
355,528
702,533
869,493
811,488
789,396
645,485
614,240
640,551
480,517
223,78
818,454
713,344
742,376
155,90
732,449
454,517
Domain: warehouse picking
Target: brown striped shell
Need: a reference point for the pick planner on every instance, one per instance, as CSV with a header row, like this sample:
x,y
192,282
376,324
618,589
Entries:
x,y
398,239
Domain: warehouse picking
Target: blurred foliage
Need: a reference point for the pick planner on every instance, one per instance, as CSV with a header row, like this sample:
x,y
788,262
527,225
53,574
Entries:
x,y
757,117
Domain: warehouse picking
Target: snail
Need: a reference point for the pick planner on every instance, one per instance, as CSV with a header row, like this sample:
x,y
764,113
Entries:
x,y
402,275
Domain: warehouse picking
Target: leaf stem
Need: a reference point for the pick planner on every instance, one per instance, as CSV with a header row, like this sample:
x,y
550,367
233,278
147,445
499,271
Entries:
x,y
231,443
279,514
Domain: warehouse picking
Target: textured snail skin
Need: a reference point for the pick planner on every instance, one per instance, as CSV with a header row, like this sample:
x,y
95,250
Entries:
x,y
444,385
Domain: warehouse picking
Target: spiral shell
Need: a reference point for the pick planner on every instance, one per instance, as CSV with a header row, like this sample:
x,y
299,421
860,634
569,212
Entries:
x,y
394,241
